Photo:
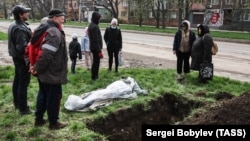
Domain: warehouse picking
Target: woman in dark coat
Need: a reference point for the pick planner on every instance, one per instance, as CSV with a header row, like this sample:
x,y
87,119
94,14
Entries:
x,y
201,49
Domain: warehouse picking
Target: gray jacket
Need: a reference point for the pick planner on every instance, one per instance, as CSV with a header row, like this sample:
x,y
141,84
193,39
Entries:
x,y
52,65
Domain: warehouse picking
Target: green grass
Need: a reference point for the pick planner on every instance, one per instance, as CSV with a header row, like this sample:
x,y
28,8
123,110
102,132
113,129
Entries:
x,y
3,36
157,81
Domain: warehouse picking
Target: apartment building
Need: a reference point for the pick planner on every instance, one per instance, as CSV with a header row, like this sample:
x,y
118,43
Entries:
x,y
221,14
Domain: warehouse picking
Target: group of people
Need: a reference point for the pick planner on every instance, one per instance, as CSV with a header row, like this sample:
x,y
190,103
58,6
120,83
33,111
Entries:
x,y
51,68
91,46
186,45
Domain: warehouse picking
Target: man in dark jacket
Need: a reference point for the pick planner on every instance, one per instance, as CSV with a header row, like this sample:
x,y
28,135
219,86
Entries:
x,y
19,35
74,49
51,70
95,39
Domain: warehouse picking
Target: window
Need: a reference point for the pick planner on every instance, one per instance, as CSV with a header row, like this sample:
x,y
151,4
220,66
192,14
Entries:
x,y
247,17
123,13
124,3
228,2
132,14
214,2
133,3
150,15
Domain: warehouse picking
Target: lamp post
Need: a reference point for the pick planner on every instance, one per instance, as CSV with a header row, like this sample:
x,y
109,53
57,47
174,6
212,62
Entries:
x,y
52,4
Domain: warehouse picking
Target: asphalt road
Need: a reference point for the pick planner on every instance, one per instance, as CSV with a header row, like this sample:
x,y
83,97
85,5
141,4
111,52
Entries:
x,y
232,60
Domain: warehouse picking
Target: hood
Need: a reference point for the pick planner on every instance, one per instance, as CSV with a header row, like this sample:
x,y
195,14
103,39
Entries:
x,y
186,23
204,29
95,17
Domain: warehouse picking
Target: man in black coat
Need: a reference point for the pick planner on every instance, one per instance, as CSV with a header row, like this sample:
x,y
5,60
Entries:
x,y
19,34
95,39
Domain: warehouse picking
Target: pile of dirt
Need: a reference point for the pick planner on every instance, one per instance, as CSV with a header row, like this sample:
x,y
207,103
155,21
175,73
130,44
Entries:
x,y
126,123
234,111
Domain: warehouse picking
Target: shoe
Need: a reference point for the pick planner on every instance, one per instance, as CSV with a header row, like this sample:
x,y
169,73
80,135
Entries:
x,y
178,77
57,125
40,122
25,112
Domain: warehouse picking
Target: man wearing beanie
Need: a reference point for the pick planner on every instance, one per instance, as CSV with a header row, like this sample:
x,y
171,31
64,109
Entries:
x,y
19,34
95,40
51,69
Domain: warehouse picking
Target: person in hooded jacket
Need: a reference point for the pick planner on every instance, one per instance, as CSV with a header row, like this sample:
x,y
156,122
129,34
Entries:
x,y
201,50
113,40
95,40
183,42
74,49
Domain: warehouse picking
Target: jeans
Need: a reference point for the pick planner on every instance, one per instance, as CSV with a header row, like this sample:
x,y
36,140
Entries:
x,y
113,53
20,84
48,99
73,65
183,62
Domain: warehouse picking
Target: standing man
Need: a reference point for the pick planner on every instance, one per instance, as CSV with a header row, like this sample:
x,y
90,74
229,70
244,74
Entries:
x,y
51,70
19,34
183,42
95,39
113,40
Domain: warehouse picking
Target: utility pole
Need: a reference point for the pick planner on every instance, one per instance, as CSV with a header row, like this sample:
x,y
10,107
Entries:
x,y
52,4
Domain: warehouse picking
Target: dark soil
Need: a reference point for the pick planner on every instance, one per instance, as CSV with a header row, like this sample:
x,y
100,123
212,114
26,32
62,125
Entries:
x,y
125,124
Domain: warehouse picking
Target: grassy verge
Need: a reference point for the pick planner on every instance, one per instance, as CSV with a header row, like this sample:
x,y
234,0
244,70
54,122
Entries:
x,y
170,30
3,36
157,81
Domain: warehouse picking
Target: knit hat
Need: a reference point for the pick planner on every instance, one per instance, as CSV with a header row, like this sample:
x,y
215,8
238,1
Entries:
x,y
20,9
55,13
114,21
74,36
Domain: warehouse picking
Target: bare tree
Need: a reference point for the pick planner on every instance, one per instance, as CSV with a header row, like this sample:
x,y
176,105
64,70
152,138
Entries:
x,y
110,5
140,11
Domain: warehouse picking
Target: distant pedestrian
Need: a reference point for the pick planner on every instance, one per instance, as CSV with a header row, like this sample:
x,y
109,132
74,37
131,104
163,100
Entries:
x,y
95,39
74,52
86,50
19,34
183,41
113,40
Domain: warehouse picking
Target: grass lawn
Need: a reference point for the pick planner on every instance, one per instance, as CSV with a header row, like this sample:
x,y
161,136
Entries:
x,y
157,81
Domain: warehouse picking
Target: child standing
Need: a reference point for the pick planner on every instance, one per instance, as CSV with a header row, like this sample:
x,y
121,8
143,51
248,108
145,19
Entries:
x,y
85,49
74,49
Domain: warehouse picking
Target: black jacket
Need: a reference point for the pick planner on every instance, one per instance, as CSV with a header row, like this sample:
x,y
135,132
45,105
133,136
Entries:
x,y
74,49
178,37
113,38
19,35
201,50
95,37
